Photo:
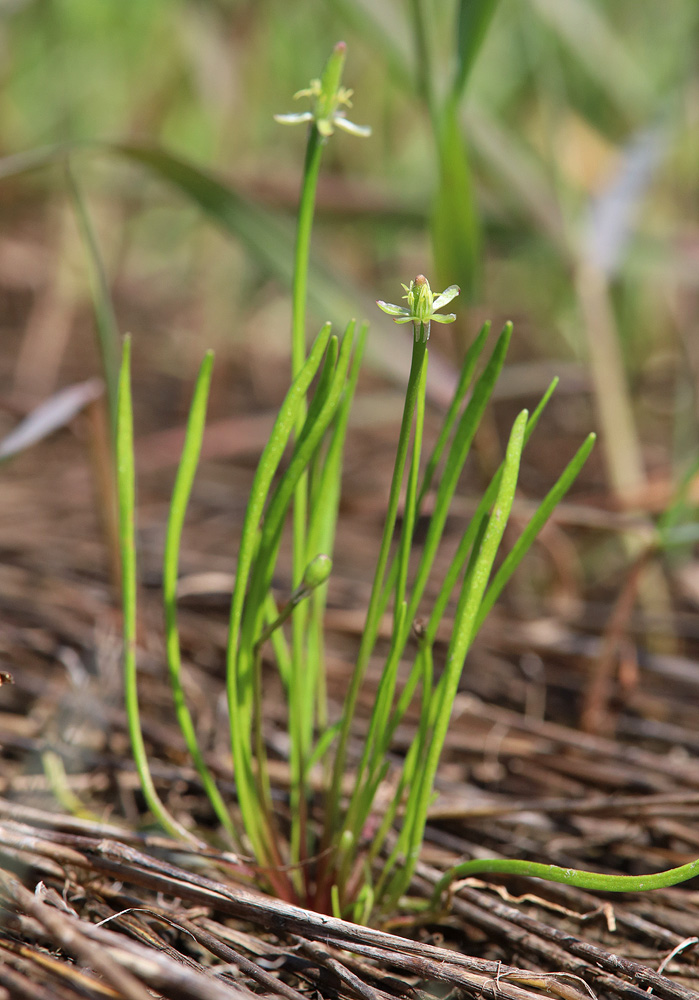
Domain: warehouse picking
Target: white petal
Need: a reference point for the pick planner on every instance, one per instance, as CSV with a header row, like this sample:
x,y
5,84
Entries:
x,y
449,318
391,309
362,130
447,295
295,118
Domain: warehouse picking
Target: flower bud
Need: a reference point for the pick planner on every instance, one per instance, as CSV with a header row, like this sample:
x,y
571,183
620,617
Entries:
x,y
420,299
317,572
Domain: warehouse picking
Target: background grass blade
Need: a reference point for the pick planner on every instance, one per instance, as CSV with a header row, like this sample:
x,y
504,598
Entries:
x,y
105,319
473,21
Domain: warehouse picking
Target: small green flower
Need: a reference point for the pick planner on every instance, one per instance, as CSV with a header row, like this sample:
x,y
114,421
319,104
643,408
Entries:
x,y
421,305
329,100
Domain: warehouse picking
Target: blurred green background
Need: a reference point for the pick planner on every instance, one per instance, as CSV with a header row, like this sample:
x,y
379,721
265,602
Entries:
x,y
544,154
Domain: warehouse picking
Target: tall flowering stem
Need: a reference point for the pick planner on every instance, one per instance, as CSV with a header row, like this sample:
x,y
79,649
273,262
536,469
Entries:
x,y
336,834
329,99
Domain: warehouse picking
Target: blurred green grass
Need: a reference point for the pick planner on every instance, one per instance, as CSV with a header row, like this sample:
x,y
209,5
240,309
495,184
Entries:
x,y
555,104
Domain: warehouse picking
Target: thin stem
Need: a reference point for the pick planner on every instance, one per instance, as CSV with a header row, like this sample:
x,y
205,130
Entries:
x,y
568,876
304,226
369,635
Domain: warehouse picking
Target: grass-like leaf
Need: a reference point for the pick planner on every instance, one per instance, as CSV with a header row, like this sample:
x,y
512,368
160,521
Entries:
x,y
178,508
473,21
105,319
127,531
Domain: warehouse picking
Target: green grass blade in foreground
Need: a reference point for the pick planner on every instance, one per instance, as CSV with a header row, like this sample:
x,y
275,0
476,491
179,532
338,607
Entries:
x,y
266,469
301,554
411,835
414,757
469,542
568,876
467,369
374,609
373,755
458,452
299,289
304,664
320,413
469,535
326,496
239,701
105,320
456,459
317,421
282,652
323,516
126,486
321,539
243,663
470,361
470,600
454,463
324,506
178,508
380,733
541,516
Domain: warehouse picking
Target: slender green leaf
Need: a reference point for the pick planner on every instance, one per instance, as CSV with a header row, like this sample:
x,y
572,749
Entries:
x,y
473,21
543,512
239,676
471,596
126,488
456,238
374,609
105,319
178,509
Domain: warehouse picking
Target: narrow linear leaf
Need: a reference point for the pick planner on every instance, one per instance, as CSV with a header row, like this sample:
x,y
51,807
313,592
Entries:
x,y
105,319
473,21
126,488
541,516
178,508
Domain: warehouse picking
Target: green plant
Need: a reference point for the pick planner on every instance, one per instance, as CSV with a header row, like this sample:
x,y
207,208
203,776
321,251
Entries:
x,y
324,857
